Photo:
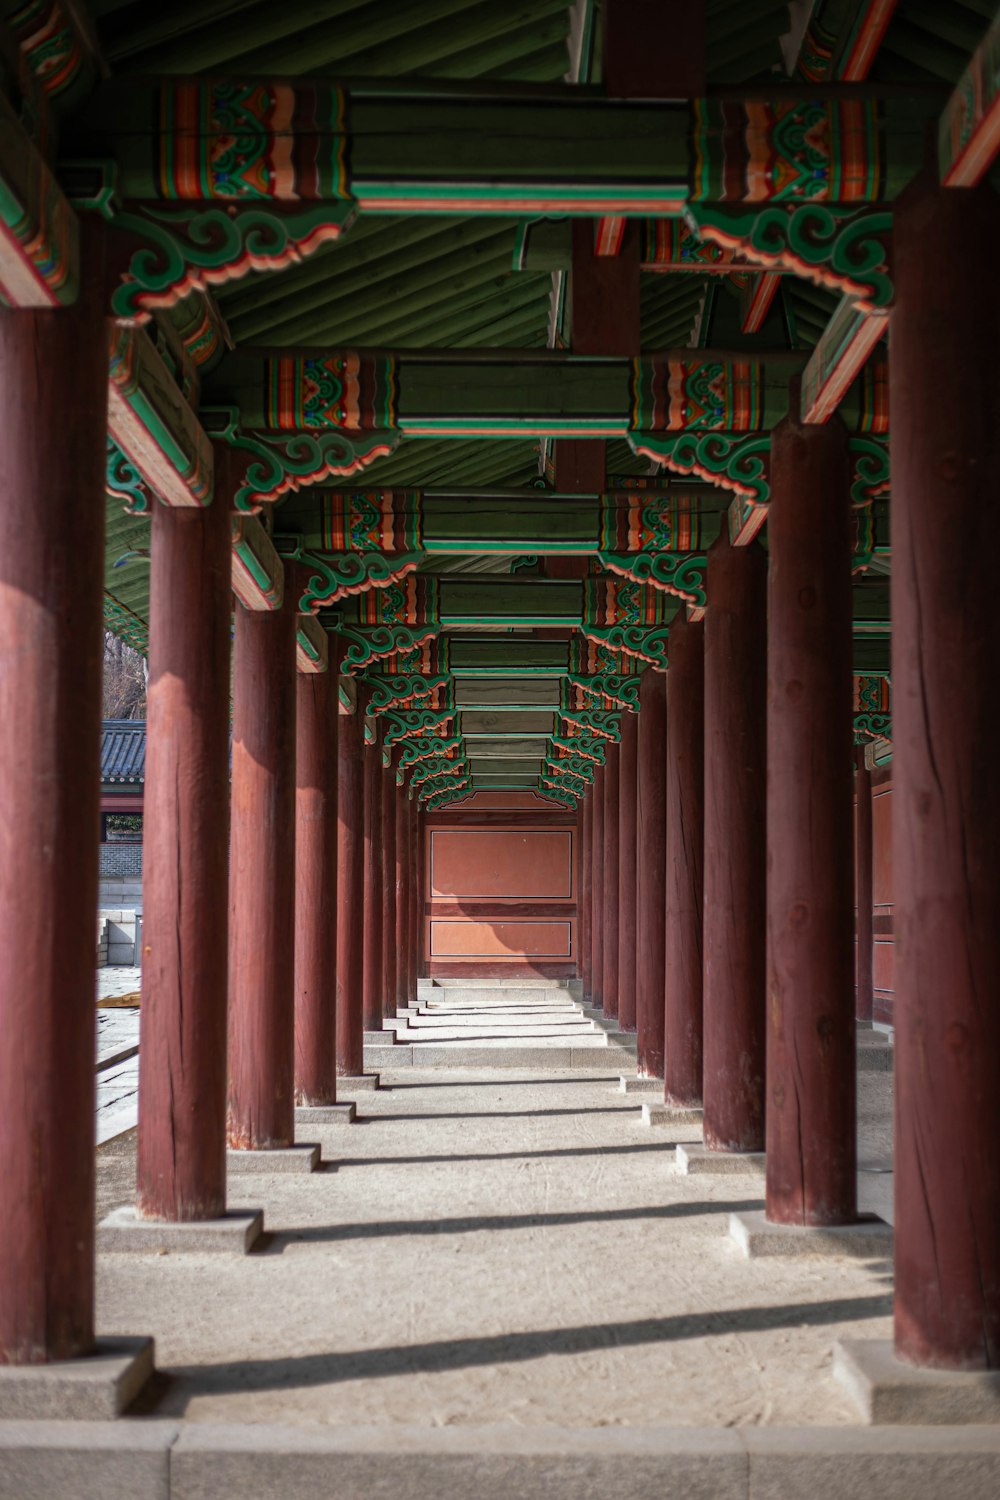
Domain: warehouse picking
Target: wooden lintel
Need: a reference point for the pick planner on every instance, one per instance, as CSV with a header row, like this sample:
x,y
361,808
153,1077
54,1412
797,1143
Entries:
x,y
312,645
39,234
153,423
844,346
969,132
759,297
258,572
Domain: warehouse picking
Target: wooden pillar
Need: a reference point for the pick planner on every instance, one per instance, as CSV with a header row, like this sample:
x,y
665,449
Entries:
x,y
371,989
350,889
387,864
53,420
262,879
653,49
627,788
651,874
586,890
811,1084
318,720
417,888
945,396
181,1146
735,863
609,941
403,936
683,959
864,888
597,891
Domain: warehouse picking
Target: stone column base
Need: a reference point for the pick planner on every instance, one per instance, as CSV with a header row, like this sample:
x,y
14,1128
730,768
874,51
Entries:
x,y
633,1084
756,1235
297,1158
889,1392
95,1388
124,1230
666,1117
326,1114
698,1159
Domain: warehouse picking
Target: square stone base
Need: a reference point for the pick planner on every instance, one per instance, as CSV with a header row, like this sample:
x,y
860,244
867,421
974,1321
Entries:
x,y
633,1084
357,1083
383,1038
756,1236
666,1117
96,1388
124,1230
297,1158
693,1160
326,1114
889,1392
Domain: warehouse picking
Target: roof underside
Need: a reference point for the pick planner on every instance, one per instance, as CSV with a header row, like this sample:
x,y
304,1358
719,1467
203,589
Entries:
x,y
451,282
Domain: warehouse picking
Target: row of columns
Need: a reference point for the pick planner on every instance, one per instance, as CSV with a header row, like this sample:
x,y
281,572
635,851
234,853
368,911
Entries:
x,y
256,960
743,842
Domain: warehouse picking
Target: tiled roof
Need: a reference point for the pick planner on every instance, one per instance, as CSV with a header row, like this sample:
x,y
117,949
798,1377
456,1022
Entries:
x,y
123,750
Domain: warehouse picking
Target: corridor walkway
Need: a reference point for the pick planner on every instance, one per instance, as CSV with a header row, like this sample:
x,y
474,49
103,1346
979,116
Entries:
x,y
496,1246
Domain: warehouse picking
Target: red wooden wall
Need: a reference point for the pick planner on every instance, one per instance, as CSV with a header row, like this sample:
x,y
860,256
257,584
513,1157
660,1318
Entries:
x,y
500,887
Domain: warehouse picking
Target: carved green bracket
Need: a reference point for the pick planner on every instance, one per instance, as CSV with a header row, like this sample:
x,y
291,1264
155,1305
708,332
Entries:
x,y
570,765
279,464
872,708
392,692
603,722
681,574
589,746
430,771
456,793
418,723
184,251
415,750
565,781
335,576
637,640
736,461
125,482
845,252
621,690
383,640
549,786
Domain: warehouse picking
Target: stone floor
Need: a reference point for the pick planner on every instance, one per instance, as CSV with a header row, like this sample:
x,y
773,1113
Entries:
x,y
499,1246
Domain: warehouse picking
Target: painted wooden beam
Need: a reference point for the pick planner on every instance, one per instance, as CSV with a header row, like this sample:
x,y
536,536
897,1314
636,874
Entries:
x,y
152,422
969,131
847,341
39,235
258,574
841,39
756,299
60,46
609,235
312,645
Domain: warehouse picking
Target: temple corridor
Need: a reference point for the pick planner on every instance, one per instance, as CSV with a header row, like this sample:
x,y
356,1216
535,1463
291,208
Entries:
x,y
494,1245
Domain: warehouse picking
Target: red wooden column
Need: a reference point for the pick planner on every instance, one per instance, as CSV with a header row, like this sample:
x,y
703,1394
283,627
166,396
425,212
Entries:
x,y
387,864
597,891
586,890
181,1147
403,936
609,943
416,894
627,791
945,396
864,890
350,889
373,973
651,872
318,721
685,850
735,863
53,420
262,879
810,981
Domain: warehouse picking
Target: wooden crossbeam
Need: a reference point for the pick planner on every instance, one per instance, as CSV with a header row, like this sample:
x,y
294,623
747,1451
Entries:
x,y
153,423
39,235
969,132
846,343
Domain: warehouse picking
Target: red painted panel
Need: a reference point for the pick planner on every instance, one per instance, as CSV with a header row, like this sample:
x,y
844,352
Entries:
x,y
516,940
884,964
882,845
501,864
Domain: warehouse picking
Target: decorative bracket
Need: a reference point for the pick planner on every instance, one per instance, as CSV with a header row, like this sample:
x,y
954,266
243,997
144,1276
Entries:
x,y
279,465
385,640
337,576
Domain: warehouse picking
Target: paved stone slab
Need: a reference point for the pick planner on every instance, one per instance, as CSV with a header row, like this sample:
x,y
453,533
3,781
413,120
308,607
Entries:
x,y
693,1160
86,1460
396,1462
630,1083
665,1117
358,1083
755,1236
836,1463
888,1391
326,1114
96,1388
302,1157
123,1232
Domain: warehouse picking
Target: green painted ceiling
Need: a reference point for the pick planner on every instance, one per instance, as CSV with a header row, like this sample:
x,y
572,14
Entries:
x,y
450,282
